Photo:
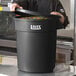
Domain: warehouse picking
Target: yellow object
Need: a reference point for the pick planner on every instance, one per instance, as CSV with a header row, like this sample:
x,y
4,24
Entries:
x,y
1,8
0,59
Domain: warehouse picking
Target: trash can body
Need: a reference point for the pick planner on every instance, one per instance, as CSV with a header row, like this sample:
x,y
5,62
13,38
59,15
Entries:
x,y
36,45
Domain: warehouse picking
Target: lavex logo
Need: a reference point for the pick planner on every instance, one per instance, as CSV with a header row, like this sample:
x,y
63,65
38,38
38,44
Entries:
x,y
35,27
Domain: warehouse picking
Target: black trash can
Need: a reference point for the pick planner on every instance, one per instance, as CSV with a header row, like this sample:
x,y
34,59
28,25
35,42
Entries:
x,y
36,43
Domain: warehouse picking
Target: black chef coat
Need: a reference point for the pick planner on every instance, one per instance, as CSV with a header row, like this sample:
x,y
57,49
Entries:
x,y
44,6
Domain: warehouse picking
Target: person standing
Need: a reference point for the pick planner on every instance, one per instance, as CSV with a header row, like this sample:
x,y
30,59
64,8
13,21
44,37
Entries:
x,y
53,7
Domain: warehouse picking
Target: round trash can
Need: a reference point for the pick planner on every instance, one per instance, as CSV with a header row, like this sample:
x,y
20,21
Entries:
x,y
36,43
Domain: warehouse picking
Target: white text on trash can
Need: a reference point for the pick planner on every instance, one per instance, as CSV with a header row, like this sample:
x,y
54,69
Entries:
x,y
35,27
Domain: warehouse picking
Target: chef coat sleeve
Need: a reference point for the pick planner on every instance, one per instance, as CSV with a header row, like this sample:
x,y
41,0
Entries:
x,y
59,8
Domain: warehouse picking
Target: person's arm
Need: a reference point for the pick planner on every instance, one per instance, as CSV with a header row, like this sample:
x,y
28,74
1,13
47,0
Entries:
x,y
58,9
18,4
13,6
62,19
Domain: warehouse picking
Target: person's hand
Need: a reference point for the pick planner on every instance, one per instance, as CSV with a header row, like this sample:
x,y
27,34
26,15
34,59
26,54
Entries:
x,y
13,6
57,13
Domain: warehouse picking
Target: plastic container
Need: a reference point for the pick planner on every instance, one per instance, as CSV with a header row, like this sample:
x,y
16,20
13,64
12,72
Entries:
x,y
36,43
